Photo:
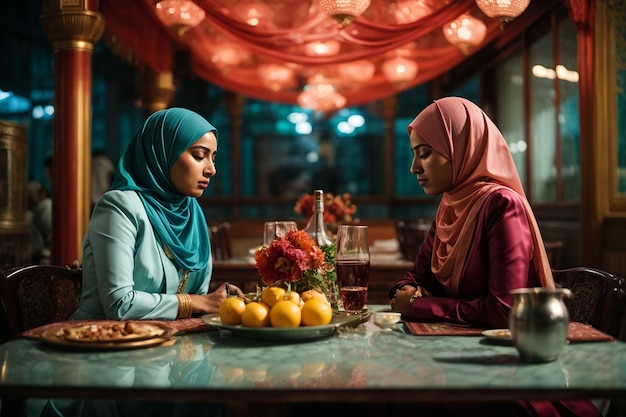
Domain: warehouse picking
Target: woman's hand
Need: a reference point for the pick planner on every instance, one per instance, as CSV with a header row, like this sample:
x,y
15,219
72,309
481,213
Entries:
x,y
400,302
210,303
405,296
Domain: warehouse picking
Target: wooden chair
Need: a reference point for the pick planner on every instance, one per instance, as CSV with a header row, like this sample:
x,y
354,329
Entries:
x,y
35,295
221,248
411,235
598,297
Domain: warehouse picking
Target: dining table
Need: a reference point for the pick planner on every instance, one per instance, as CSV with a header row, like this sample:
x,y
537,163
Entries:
x,y
359,362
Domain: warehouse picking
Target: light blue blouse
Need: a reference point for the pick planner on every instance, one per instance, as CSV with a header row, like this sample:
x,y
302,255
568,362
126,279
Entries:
x,y
126,274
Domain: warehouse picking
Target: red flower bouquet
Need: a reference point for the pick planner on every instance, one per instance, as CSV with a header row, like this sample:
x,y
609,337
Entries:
x,y
337,208
296,262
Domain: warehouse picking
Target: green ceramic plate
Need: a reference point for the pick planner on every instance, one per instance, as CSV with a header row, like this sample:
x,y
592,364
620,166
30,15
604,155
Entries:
x,y
298,333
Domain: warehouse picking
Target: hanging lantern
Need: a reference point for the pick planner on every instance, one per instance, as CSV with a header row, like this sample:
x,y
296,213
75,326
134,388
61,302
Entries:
x,y
505,10
254,12
399,70
356,71
180,15
465,31
223,54
320,95
322,48
343,11
409,11
275,76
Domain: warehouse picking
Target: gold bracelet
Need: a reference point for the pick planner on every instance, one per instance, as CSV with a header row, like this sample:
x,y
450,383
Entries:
x,y
416,294
184,306
188,310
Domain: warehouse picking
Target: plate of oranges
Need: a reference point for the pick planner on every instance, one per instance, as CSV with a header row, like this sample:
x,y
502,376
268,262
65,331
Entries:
x,y
280,314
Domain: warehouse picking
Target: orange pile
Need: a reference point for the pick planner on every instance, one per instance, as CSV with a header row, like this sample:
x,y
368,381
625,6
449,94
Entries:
x,y
278,308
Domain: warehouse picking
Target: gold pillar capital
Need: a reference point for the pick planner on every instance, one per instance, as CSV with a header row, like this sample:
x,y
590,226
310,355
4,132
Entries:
x,y
71,24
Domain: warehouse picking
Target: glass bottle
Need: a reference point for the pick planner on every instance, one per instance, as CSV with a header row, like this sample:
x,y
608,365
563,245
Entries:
x,y
315,228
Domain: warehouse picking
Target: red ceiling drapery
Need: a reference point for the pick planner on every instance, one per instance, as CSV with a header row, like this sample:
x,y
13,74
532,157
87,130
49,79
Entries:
x,y
280,39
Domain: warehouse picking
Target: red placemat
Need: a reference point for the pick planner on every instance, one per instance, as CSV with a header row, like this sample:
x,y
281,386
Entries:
x,y
442,329
581,333
193,324
577,332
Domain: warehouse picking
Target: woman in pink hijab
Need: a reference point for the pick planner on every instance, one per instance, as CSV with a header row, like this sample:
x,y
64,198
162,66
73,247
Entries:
x,y
484,241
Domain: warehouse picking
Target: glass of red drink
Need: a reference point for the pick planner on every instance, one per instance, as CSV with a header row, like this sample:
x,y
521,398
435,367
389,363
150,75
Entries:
x,y
353,266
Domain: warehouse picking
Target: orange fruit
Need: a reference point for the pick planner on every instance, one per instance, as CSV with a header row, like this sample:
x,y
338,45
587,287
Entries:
x,y
293,296
316,312
309,294
272,295
256,315
230,310
285,314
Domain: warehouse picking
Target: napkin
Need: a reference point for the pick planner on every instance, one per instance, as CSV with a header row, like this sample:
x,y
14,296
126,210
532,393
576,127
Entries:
x,y
576,333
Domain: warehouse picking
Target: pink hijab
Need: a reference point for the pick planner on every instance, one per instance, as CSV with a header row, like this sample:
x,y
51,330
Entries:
x,y
481,163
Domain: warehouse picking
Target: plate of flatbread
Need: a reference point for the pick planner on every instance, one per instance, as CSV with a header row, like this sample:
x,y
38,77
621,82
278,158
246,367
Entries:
x,y
109,334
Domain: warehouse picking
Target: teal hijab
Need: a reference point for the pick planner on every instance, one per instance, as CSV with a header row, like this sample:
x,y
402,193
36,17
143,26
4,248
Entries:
x,y
176,218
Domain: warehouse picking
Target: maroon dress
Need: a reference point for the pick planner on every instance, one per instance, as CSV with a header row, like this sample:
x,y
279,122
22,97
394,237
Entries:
x,y
498,261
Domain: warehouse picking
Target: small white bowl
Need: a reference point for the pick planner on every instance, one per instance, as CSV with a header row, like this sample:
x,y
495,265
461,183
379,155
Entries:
x,y
386,319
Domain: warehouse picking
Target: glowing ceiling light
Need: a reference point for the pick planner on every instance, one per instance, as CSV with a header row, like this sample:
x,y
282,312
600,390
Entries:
x,y
505,10
254,12
275,76
343,11
322,48
180,15
465,31
409,11
320,95
399,70
357,71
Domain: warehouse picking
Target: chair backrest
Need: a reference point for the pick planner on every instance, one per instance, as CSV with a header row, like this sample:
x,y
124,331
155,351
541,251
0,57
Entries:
x,y
411,234
35,295
221,248
598,297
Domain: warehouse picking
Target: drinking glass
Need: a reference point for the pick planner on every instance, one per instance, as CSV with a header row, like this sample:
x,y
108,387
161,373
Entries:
x,y
353,266
276,229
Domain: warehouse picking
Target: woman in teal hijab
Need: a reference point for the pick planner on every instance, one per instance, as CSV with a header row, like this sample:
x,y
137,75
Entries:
x,y
146,253
145,167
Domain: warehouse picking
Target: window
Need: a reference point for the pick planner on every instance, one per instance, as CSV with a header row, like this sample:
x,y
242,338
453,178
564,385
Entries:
x,y
551,173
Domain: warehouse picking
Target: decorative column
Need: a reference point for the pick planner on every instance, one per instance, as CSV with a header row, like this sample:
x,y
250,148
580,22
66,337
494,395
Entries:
x,y
234,104
156,90
73,26
15,234
594,153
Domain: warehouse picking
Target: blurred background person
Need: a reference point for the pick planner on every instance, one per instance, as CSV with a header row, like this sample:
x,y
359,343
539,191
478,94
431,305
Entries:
x,y
102,172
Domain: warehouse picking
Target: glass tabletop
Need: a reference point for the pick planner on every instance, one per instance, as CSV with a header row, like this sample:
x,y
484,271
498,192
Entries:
x,y
370,361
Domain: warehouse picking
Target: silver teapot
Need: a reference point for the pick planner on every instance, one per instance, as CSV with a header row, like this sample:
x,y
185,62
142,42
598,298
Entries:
x,y
538,322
